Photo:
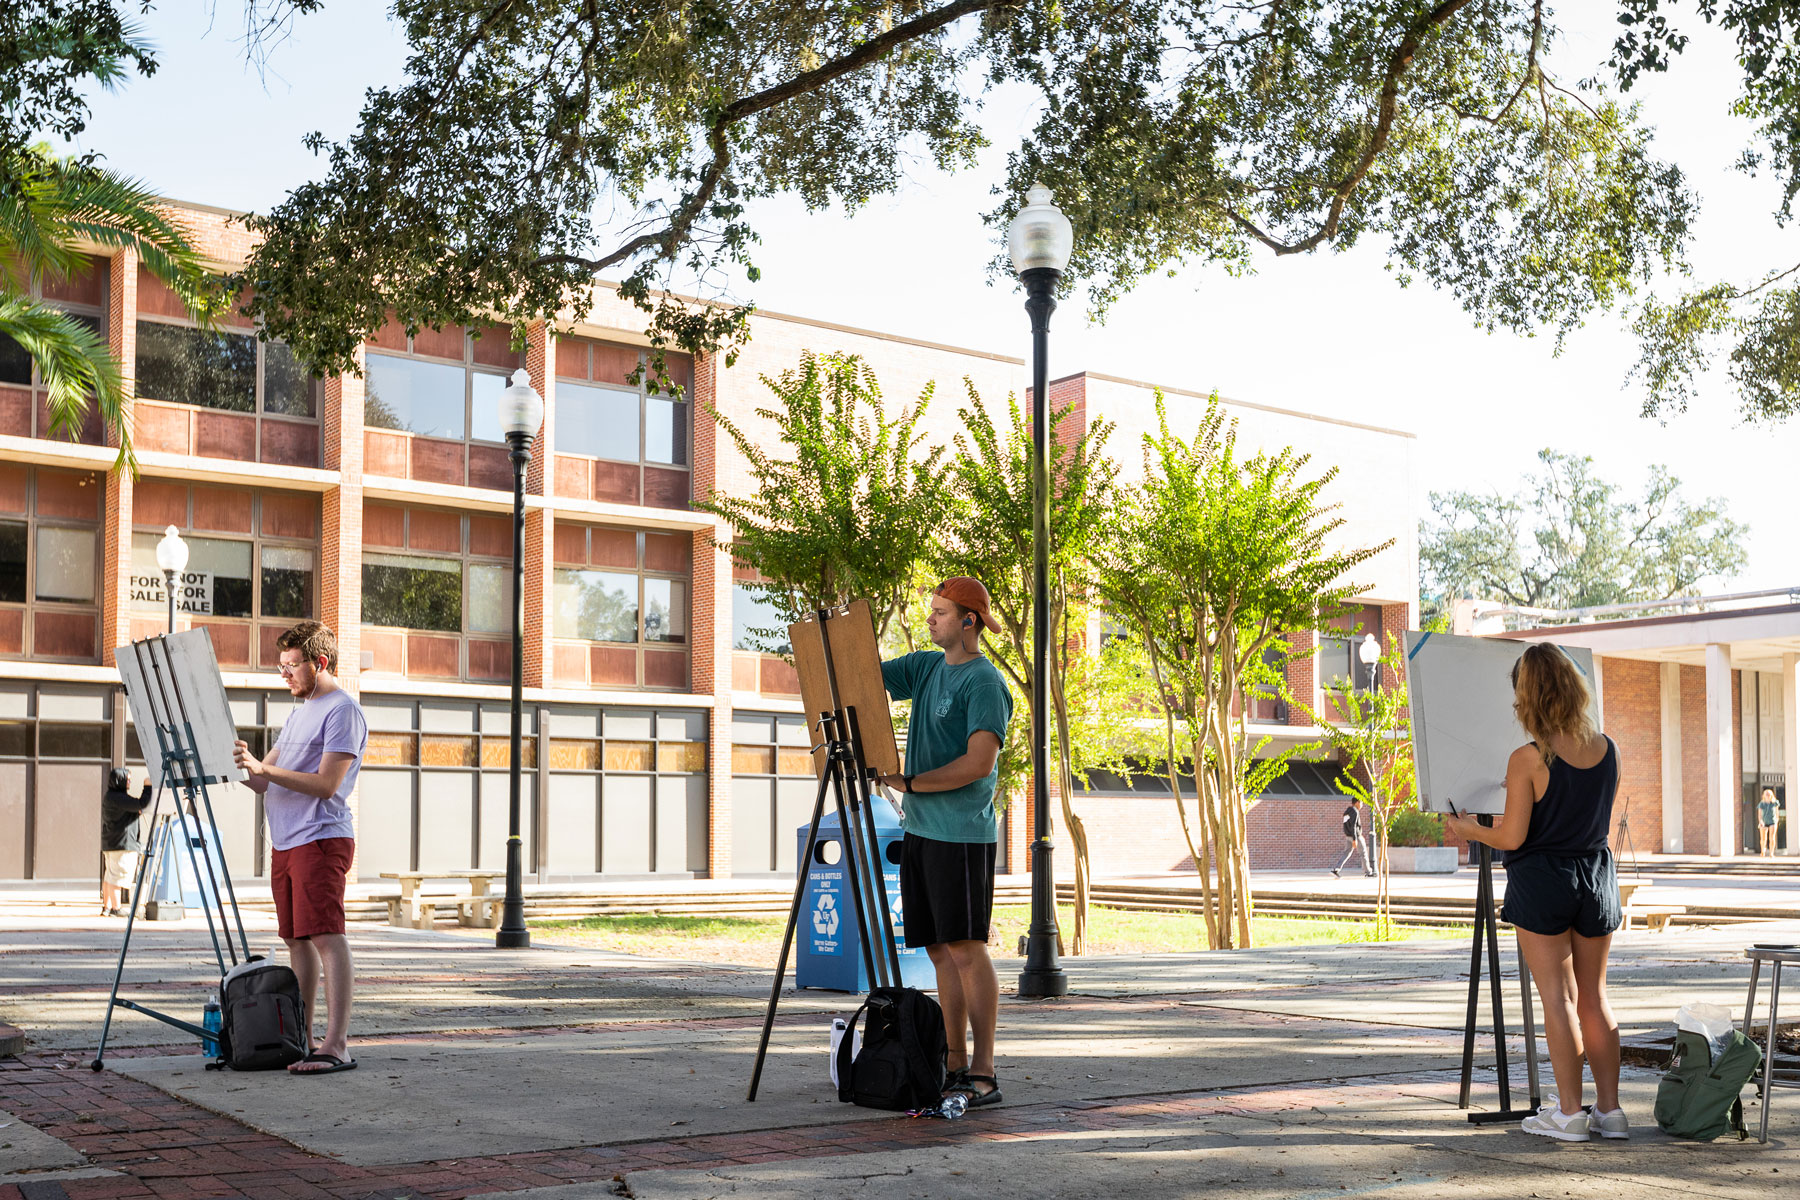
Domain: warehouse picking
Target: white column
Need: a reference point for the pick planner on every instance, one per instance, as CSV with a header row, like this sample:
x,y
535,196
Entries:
x,y
1790,745
1671,758
1721,785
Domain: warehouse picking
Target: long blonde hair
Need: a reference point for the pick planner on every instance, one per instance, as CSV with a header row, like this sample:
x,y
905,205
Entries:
x,y
1550,697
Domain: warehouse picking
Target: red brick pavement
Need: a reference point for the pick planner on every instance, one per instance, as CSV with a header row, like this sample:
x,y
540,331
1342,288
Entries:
x,y
165,1148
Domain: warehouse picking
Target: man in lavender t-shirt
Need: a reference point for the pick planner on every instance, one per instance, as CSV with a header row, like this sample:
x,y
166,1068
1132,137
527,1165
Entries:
x,y
305,782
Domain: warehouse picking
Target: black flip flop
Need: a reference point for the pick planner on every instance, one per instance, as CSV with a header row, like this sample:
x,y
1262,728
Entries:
x,y
318,1056
978,1099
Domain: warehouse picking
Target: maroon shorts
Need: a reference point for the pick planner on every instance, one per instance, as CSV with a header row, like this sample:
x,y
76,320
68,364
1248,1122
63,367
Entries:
x,y
309,887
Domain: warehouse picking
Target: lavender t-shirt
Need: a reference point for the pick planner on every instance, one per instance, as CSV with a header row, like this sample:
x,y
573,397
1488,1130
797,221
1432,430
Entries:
x,y
328,724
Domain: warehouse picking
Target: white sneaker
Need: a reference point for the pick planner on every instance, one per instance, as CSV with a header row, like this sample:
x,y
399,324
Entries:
x,y
1550,1122
1609,1124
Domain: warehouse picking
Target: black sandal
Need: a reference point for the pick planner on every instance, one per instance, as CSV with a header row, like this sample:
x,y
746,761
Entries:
x,y
979,1099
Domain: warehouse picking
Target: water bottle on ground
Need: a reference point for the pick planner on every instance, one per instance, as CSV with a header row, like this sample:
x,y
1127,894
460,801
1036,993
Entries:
x,y
954,1105
212,1020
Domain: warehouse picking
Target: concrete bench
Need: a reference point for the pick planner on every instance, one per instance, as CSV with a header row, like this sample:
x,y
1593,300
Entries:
x,y
1654,916
419,911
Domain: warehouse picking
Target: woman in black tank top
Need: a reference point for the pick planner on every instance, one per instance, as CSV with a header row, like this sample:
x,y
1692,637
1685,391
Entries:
x,y
1562,893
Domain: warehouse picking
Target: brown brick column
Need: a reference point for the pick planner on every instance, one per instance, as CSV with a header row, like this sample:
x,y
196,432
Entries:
x,y
341,533
1303,676
540,524
710,622
115,573
1395,619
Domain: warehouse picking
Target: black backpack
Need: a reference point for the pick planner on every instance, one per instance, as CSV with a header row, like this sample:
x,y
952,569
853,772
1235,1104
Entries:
x,y
262,1028
900,1065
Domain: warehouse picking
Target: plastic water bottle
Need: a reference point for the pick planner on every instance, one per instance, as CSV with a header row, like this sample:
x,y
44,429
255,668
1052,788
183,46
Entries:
x,y
954,1106
212,1020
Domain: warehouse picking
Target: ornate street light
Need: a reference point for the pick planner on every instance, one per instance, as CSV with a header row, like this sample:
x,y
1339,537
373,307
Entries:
x,y
521,416
1370,654
172,557
1040,239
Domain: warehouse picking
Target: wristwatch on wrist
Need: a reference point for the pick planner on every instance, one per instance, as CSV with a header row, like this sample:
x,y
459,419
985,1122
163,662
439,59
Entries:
x,y
907,779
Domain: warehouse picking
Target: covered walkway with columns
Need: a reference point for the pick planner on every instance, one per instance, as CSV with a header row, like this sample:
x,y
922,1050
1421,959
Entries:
x,y
1705,711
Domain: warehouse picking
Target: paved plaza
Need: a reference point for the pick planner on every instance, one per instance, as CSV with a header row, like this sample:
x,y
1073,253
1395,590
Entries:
x,y
566,1072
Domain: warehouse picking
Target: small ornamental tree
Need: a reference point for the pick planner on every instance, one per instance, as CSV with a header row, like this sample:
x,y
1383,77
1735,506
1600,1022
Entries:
x,y
847,506
1211,559
1373,730
990,540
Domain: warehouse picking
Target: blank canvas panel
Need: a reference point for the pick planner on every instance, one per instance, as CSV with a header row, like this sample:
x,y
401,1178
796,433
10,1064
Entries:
x,y
571,839
625,816
1463,725
446,820
174,681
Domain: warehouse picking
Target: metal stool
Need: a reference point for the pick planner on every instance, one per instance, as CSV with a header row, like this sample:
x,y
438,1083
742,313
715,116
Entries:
x,y
1777,956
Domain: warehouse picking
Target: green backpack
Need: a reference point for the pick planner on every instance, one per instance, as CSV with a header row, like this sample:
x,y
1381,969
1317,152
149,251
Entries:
x,y
1698,1098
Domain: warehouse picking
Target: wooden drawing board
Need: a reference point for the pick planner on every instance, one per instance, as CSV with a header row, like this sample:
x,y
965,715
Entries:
x,y
858,663
175,681
1463,725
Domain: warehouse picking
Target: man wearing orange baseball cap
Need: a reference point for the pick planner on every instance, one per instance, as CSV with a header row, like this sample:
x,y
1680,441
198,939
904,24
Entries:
x,y
961,707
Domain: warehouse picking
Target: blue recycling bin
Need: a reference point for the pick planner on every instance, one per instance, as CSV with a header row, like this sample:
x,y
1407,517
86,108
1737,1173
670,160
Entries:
x,y
828,951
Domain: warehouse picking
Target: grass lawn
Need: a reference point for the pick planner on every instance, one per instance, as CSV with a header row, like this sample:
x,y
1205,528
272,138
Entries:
x,y
755,940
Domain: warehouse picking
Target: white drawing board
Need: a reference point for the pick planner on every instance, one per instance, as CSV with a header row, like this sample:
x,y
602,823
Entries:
x,y
174,682
1463,725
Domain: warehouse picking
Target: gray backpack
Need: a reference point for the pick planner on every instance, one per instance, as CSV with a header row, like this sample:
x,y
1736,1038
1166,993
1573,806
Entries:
x,y
262,1027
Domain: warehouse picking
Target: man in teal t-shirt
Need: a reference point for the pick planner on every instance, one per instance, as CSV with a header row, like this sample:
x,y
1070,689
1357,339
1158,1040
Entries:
x,y
960,709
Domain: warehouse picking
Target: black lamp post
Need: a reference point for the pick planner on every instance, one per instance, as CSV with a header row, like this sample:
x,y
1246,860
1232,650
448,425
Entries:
x,y
1040,239
172,557
521,416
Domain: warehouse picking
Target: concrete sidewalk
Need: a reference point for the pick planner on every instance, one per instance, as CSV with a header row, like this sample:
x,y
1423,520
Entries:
x,y
570,1072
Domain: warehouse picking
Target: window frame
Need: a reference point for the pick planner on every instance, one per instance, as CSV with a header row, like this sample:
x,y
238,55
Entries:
x,y
643,423
470,368
257,540
31,604
644,573
40,427
259,410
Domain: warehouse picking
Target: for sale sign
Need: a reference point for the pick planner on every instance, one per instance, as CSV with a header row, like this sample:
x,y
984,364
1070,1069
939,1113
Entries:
x,y
193,592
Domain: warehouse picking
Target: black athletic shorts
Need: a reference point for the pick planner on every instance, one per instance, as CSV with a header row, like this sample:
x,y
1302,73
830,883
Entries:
x,y
946,890
1552,894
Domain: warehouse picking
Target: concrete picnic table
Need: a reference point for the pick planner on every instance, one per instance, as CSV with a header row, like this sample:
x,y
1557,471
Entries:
x,y
414,909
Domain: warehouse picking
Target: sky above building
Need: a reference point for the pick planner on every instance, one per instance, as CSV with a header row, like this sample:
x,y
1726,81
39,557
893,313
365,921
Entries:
x,y
1326,333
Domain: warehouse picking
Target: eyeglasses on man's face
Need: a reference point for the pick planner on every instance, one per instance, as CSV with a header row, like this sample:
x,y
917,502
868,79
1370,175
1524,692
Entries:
x,y
289,670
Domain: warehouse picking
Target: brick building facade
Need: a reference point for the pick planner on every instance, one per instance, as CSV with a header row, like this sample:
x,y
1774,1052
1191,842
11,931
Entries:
x,y
657,742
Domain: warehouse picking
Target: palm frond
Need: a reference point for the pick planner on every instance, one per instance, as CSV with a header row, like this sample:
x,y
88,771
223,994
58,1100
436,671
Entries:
x,y
77,367
52,206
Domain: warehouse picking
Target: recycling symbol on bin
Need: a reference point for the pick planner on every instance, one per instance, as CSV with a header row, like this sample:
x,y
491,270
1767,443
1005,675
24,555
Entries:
x,y
825,917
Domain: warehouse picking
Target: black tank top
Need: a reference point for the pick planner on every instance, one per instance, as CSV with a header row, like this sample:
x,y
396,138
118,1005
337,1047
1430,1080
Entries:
x,y
1576,809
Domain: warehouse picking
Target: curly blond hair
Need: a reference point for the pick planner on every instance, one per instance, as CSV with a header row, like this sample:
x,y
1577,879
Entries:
x,y
1550,697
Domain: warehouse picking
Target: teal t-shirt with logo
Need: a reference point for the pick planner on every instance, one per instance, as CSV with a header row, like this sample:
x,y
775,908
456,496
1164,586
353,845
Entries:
x,y
1765,811
949,703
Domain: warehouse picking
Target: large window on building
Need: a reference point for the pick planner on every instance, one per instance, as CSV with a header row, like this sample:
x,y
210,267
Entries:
x,y
639,439
23,410
252,566
756,624
442,385
49,563
255,401
437,592
1340,668
620,606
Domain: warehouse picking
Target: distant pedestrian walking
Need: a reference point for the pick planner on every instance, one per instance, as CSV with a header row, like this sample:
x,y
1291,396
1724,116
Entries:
x,y
1353,841
1766,813
120,841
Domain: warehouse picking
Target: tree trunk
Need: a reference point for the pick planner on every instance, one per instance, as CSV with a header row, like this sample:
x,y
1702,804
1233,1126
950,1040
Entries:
x,y
1077,832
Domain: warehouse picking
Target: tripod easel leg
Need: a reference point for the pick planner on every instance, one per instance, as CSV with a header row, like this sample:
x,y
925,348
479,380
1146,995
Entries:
x,y
787,938
137,898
